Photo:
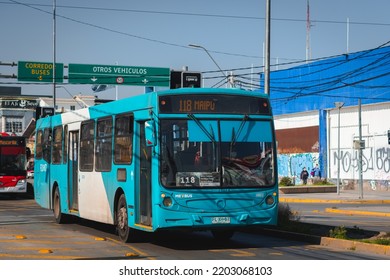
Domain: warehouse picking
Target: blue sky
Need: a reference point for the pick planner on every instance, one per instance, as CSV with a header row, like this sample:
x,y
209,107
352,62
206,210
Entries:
x,y
156,33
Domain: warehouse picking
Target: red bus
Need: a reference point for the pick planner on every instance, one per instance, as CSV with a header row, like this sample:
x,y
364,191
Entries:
x,y
13,164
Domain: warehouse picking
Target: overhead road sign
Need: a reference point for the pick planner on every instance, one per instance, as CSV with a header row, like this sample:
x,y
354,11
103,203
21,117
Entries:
x,y
41,72
118,75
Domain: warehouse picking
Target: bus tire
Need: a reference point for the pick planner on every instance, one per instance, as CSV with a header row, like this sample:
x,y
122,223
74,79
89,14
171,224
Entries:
x,y
59,217
122,220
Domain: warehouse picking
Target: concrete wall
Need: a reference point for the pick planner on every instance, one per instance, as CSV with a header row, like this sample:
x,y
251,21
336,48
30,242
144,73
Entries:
x,y
375,157
291,165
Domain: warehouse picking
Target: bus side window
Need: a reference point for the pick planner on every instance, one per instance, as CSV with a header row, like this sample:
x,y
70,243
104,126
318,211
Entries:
x,y
57,145
87,145
47,139
65,144
38,145
123,139
103,149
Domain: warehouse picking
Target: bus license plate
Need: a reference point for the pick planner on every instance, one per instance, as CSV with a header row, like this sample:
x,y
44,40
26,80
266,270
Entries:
x,y
220,220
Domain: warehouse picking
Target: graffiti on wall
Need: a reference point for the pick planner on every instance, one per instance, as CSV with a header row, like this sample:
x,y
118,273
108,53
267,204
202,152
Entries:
x,y
375,165
291,165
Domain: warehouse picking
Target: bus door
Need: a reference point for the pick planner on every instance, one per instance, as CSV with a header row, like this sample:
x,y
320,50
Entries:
x,y
145,180
73,167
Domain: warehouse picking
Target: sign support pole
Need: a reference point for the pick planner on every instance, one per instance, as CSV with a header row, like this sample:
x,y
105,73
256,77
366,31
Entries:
x,y
54,56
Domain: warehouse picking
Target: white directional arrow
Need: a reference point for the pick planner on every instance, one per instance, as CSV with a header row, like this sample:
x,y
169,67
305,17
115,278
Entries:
x,y
93,79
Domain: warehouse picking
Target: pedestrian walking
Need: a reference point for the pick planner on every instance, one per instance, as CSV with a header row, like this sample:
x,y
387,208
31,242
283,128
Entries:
x,y
304,175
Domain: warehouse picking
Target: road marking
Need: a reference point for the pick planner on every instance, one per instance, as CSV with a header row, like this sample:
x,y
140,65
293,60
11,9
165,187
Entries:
x,y
45,251
20,237
276,254
357,212
235,252
137,251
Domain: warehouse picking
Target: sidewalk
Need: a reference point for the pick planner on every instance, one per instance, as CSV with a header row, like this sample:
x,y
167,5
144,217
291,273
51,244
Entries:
x,y
372,203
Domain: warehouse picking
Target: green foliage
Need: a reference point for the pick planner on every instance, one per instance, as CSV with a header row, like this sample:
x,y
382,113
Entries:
x,y
286,181
321,182
382,241
338,232
285,215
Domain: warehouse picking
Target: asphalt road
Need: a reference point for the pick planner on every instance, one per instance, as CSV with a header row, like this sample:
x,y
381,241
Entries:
x,y
28,232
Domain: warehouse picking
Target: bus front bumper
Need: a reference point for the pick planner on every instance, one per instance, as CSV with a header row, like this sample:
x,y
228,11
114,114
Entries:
x,y
20,187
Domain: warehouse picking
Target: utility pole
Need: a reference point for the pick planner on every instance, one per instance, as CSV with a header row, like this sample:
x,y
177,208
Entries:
x,y
338,106
267,47
360,152
54,55
308,27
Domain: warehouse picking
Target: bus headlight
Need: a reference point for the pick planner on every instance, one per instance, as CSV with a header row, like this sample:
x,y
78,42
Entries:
x,y
167,201
269,200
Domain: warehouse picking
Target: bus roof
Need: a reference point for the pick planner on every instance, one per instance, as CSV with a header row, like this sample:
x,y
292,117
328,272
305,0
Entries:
x,y
137,102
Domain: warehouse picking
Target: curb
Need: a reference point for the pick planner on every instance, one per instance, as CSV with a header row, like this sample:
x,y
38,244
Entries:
x,y
355,246
338,201
329,242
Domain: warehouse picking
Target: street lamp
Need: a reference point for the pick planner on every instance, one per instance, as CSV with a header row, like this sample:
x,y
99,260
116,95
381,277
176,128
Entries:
x,y
338,105
203,48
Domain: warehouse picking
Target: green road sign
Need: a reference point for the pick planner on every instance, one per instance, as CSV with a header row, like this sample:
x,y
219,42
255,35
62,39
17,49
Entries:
x,y
118,75
41,72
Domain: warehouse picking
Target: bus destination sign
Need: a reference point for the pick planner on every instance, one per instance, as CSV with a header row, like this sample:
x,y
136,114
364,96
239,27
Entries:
x,y
212,104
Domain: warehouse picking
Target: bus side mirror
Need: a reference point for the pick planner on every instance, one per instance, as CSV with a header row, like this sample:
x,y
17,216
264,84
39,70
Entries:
x,y
150,134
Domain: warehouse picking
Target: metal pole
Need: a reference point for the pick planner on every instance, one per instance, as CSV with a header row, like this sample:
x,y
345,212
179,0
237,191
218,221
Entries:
x,y
338,106
116,87
347,35
338,154
360,152
207,52
54,56
267,47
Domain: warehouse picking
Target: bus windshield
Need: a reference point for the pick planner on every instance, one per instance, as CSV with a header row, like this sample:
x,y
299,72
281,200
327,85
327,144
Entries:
x,y
217,153
12,161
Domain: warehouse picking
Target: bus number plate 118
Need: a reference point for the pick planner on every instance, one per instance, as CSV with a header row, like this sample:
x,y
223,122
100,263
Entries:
x,y
220,220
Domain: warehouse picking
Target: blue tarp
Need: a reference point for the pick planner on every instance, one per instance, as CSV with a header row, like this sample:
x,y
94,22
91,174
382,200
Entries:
x,y
362,75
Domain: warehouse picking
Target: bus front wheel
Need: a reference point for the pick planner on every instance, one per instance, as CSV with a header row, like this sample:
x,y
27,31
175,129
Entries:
x,y
122,220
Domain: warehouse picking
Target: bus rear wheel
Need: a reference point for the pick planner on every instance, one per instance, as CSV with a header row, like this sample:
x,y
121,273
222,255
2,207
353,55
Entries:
x,y
59,217
122,220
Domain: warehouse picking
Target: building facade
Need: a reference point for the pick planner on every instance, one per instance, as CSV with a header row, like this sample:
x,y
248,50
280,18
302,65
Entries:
x,y
314,102
18,112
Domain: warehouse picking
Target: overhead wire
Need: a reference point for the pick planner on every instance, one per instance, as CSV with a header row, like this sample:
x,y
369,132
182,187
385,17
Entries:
x,y
331,83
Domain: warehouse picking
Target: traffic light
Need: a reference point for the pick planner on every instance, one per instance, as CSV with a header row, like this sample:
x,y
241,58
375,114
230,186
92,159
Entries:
x,y
185,79
175,79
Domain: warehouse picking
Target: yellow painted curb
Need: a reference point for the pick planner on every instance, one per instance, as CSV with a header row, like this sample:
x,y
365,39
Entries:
x,y
336,201
356,212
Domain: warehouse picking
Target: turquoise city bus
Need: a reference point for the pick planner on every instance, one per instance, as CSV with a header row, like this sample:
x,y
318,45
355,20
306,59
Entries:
x,y
190,158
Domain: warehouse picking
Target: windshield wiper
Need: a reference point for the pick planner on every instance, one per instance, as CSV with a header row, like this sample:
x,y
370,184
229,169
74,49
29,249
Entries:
x,y
208,134
236,135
